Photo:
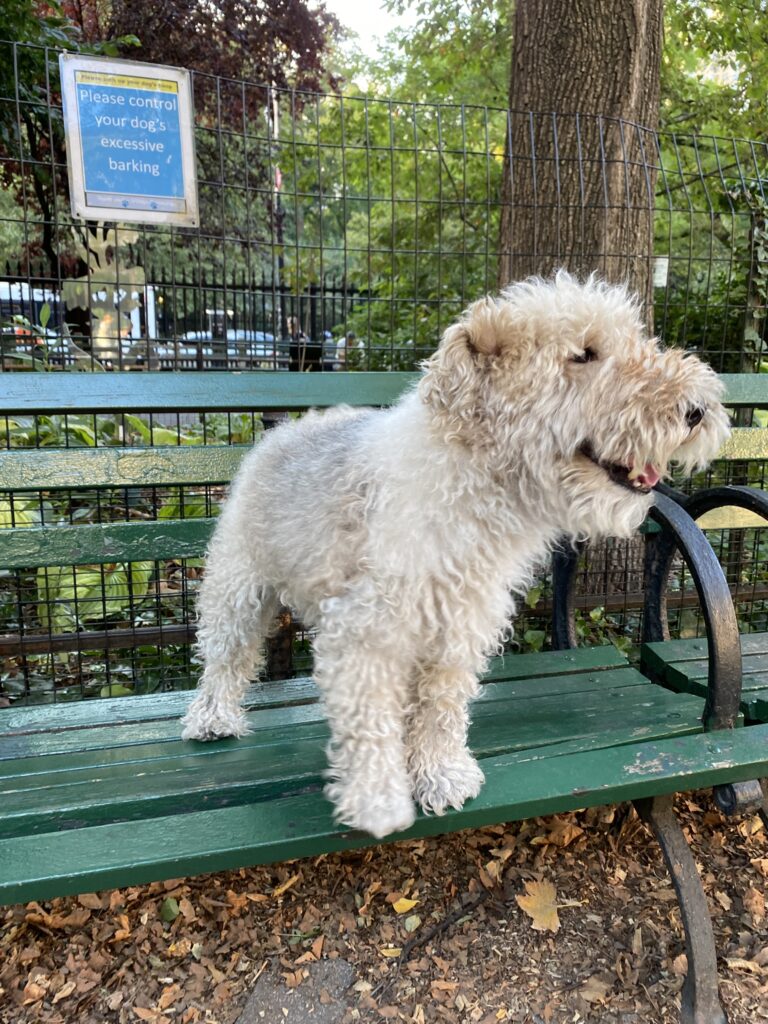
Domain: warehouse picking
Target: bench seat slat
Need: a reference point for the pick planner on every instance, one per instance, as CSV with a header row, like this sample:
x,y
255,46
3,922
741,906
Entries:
x,y
682,665
39,753
534,674
695,649
130,853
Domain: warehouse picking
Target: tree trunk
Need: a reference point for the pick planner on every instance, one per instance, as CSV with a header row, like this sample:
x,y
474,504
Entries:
x,y
581,153
580,169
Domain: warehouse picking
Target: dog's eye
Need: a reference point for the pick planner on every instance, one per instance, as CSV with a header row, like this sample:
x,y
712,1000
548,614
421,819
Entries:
x,y
585,357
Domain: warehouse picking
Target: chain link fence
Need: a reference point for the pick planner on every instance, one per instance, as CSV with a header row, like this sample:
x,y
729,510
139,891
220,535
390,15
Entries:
x,y
339,233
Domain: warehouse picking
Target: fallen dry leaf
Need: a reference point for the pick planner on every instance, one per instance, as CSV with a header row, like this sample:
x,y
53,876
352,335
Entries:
x,y
754,904
540,905
562,834
403,905
75,919
237,901
168,996
285,886
33,992
146,1014
390,951
724,900
680,965
737,964
64,991
90,900
595,989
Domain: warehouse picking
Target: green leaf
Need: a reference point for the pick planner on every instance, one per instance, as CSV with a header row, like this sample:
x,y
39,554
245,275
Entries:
x,y
169,909
45,315
115,690
534,639
140,427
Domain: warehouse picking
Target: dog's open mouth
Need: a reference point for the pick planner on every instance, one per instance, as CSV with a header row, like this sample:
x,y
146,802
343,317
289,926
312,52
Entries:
x,y
640,481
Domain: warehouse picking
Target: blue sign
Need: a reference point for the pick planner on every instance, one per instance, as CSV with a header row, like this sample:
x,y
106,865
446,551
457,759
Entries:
x,y
133,136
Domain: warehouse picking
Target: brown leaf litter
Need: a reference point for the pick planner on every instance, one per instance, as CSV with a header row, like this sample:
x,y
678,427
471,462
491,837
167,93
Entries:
x,y
565,919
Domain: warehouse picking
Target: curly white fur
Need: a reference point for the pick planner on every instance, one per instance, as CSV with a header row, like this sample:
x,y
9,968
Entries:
x,y
403,534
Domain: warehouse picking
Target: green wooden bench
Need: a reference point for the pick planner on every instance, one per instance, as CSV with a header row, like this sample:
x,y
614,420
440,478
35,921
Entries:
x,y
103,793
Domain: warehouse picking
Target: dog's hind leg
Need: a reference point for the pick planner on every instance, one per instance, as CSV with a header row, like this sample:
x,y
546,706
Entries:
x,y
442,770
235,613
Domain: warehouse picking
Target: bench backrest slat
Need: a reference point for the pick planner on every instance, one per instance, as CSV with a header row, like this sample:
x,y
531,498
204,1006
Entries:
x,y
194,391
33,469
94,543
49,469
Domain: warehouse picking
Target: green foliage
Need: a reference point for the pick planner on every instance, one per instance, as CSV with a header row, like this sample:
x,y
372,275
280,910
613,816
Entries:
x,y
596,627
714,67
456,52
73,596
21,513
716,296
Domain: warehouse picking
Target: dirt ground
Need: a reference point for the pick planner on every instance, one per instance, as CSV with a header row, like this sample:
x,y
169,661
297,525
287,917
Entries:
x,y
449,929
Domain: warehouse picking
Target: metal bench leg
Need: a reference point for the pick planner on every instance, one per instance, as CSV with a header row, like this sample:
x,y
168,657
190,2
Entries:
x,y
700,999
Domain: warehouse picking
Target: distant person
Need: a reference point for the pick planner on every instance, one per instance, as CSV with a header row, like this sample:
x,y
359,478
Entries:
x,y
347,350
303,354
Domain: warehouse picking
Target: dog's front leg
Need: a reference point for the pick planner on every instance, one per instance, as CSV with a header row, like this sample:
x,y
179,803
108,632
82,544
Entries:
x,y
442,770
365,691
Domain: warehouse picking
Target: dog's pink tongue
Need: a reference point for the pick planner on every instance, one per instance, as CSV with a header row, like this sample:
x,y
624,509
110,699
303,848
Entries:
x,y
650,476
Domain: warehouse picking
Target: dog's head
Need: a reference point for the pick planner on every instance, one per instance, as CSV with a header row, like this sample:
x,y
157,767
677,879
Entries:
x,y
558,381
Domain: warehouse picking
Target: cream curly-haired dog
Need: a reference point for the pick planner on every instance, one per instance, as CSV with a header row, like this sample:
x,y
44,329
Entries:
x,y
403,534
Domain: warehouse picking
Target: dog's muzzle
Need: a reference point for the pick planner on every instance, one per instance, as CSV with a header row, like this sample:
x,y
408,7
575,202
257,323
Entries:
x,y
639,482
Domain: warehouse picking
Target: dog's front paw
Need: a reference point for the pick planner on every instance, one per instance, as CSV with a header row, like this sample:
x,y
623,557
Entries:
x,y
381,812
446,783
208,720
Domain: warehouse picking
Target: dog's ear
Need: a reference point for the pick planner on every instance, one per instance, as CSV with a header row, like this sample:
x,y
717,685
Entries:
x,y
456,377
482,327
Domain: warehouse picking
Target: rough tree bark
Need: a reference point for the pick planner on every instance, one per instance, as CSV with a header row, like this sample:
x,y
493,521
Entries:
x,y
581,151
580,168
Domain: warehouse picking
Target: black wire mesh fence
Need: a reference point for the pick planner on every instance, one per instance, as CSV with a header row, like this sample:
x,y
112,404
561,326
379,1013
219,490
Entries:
x,y
339,233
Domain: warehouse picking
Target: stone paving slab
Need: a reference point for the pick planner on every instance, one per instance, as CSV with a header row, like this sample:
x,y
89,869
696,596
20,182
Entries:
x,y
319,999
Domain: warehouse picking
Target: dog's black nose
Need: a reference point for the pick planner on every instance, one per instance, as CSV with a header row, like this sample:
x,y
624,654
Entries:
x,y
694,416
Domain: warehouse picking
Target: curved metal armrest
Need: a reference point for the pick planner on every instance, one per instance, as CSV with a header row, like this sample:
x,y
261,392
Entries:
x,y
679,531
749,498
699,502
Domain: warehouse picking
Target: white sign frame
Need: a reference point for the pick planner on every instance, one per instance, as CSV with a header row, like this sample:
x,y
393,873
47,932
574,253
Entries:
x,y
135,208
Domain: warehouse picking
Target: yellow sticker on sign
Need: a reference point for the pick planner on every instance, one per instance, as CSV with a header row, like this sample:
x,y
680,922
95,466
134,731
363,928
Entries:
x,y
126,81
